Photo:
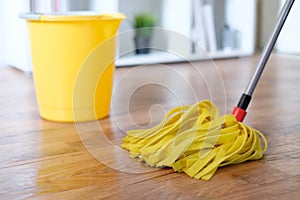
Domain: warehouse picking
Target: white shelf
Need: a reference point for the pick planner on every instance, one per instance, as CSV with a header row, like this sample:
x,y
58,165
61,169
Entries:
x,y
166,57
176,16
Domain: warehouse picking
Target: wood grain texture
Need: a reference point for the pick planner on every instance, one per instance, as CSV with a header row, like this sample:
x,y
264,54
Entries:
x,y
41,159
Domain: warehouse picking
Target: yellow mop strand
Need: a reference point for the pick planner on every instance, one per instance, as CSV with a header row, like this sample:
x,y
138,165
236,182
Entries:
x,y
196,140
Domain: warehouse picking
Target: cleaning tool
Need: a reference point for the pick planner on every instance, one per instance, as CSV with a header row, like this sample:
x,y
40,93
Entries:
x,y
195,140
240,110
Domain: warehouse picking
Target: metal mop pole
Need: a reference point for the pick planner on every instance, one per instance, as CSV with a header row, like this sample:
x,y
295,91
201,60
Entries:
x,y
240,110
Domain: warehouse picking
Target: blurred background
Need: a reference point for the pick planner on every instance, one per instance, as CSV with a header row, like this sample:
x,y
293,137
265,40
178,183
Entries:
x,y
223,28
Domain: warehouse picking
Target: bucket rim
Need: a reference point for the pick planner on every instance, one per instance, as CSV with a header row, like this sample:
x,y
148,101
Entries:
x,y
72,16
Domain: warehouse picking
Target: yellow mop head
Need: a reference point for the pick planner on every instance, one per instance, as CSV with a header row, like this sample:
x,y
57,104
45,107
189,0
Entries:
x,y
196,140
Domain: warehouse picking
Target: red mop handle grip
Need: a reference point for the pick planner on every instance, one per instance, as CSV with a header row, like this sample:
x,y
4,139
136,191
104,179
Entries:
x,y
240,110
239,113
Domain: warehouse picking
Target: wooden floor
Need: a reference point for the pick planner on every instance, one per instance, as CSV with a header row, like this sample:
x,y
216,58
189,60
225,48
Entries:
x,y
40,159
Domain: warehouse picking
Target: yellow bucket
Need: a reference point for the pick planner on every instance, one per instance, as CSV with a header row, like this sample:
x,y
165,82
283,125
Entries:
x,y
73,63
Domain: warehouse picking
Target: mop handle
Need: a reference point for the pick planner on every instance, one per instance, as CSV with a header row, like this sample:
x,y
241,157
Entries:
x,y
240,110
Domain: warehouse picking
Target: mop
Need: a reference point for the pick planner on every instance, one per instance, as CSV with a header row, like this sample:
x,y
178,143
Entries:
x,y
196,140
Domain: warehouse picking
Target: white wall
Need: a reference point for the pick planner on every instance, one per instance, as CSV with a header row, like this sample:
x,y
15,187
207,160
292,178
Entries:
x,y
104,6
2,51
289,40
245,24
176,16
15,48
268,14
